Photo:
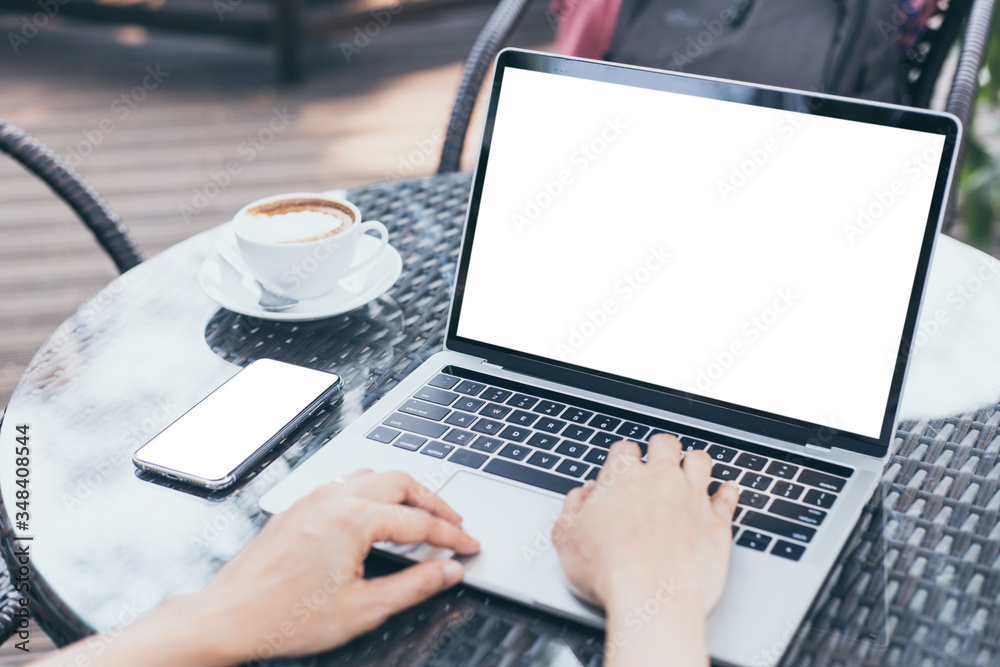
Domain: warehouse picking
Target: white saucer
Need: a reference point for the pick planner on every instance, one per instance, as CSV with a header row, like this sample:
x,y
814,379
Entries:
x,y
236,292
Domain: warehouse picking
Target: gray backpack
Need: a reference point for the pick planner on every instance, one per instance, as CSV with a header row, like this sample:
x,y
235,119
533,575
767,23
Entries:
x,y
846,47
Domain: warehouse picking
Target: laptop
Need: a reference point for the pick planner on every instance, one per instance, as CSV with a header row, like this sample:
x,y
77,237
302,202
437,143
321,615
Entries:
x,y
645,251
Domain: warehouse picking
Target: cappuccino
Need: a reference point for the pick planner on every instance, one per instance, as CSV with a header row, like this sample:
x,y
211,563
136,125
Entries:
x,y
301,244
297,220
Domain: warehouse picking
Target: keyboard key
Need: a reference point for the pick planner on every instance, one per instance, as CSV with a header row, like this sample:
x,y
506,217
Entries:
x,y
722,472
735,529
469,404
596,456
487,426
593,473
495,411
543,459
543,441
632,431
736,514
521,418
485,444
657,431
515,452
444,381
572,468
415,425
818,498
522,401
469,387
428,410
574,449
602,439
495,394
773,524
604,422
756,541
576,415
821,480
383,434
713,487
435,395
410,441
532,476
687,444
782,469
753,499
550,425
581,433
460,419
751,461
515,433
720,453
438,450
457,436
788,550
787,490
810,515
550,408
755,481
465,457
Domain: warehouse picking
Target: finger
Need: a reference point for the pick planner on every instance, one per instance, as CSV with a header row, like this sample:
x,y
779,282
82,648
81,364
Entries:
x,y
623,455
724,500
398,487
577,497
408,525
697,467
664,447
357,474
395,592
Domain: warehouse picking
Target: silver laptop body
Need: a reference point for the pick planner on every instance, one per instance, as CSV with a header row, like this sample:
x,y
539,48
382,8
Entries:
x,y
645,251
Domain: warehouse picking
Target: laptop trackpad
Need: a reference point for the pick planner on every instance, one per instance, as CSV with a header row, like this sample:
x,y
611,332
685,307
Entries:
x,y
512,523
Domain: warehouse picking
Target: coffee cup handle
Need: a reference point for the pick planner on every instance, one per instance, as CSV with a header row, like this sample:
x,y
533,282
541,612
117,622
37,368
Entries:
x,y
383,238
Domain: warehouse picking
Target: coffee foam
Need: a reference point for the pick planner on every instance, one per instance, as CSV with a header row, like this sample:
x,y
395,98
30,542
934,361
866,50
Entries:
x,y
295,220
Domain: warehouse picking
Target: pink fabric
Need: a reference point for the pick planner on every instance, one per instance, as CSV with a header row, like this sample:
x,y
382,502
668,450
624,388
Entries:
x,y
585,27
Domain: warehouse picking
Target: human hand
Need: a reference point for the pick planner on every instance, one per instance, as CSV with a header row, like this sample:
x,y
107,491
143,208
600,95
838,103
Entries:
x,y
648,532
298,587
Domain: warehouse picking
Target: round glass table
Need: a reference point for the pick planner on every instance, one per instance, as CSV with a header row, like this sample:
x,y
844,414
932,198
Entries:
x,y
917,581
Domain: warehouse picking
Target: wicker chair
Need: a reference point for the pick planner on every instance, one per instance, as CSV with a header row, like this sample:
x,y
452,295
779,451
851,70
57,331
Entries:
x,y
113,237
921,68
69,186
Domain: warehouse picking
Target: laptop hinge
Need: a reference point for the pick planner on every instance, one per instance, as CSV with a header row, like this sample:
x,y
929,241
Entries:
x,y
489,365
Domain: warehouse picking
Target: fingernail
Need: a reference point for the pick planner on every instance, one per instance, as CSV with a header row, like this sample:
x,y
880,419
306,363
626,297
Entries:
x,y
453,572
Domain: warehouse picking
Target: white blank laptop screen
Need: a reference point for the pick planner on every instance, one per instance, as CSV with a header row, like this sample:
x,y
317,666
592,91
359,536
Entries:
x,y
754,256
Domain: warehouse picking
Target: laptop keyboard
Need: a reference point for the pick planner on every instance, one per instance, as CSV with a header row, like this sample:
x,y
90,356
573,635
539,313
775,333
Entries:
x,y
556,442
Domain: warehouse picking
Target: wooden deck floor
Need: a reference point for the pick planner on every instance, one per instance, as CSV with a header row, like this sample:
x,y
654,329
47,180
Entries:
x,y
151,150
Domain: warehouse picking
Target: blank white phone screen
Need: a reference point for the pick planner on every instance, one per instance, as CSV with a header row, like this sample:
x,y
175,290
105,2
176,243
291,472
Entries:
x,y
755,256
236,420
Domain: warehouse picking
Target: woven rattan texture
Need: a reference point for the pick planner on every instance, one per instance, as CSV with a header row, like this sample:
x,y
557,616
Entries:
x,y
919,580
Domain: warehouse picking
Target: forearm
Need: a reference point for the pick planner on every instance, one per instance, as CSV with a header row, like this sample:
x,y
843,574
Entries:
x,y
177,633
655,629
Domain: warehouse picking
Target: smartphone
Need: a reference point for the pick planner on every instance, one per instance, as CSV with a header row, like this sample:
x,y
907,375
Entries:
x,y
225,434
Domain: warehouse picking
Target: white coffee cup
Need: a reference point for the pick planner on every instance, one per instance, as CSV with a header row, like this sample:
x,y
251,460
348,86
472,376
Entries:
x,y
302,244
